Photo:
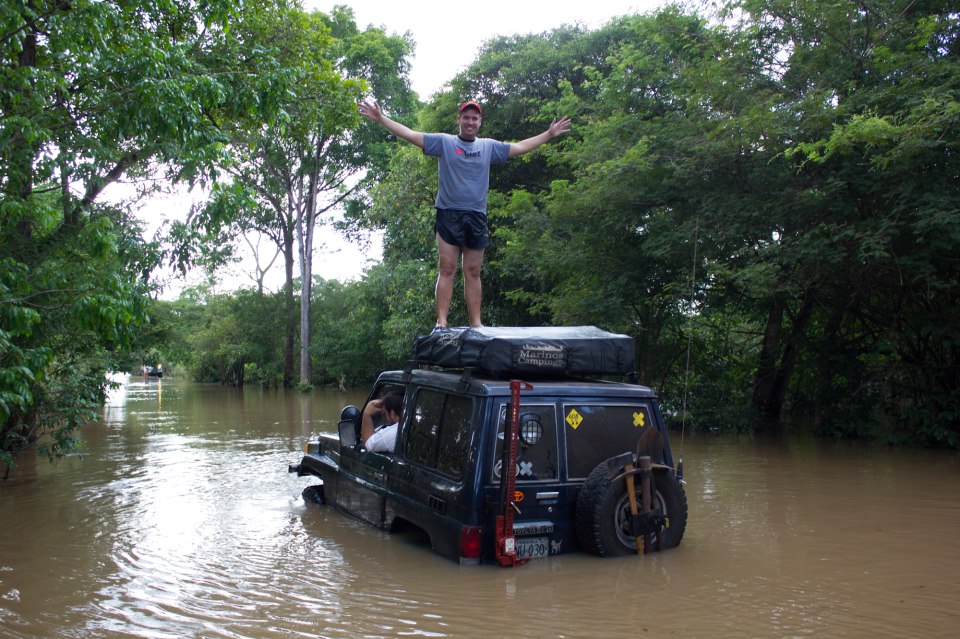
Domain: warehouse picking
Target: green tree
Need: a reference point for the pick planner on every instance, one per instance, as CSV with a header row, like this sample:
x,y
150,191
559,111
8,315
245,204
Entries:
x,y
294,174
879,84
514,78
810,152
803,153
349,320
402,207
92,92
230,339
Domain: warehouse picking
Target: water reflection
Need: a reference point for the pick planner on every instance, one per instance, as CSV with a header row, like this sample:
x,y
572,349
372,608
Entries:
x,y
181,521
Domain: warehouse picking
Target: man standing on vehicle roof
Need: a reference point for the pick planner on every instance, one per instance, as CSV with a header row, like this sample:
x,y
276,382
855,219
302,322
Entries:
x,y
464,178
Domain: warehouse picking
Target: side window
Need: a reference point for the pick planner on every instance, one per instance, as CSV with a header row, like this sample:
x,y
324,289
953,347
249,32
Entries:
x,y
600,431
424,426
537,458
439,432
454,436
379,418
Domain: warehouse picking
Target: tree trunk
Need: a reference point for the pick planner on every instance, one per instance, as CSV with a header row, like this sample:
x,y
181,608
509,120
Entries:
x,y
290,317
763,386
305,236
20,173
305,281
305,231
774,369
823,399
23,466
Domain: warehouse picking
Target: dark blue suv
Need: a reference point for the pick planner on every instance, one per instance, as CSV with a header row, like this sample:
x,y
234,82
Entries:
x,y
593,470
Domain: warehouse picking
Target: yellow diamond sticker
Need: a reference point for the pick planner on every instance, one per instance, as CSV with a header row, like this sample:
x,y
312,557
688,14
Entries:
x,y
574,418
638,419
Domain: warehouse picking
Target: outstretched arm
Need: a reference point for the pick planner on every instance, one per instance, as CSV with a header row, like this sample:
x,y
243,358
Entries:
x,y
557,128
371,110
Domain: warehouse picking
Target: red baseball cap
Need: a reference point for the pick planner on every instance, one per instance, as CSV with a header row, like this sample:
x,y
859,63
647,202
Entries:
x,y
470,103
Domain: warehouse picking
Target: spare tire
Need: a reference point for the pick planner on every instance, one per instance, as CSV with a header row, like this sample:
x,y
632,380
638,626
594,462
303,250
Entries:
x,y
603,512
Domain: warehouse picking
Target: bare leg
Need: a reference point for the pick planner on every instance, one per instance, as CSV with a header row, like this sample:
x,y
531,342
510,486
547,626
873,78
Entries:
x,y
449,255
472,287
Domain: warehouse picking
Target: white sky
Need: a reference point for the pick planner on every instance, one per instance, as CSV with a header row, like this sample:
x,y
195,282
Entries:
x,y
448,36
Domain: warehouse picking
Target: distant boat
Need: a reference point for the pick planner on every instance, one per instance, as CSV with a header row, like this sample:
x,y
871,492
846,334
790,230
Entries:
x,y
150,371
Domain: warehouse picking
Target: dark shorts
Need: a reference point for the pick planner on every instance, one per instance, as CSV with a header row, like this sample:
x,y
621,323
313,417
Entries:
x,y
462,228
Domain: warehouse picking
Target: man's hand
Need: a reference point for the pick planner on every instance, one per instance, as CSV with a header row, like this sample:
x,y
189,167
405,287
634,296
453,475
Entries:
x,y
374,407
559,127
370,110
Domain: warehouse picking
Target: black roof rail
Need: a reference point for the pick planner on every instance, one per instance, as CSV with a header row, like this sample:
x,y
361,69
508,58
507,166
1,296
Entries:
x,y
466,376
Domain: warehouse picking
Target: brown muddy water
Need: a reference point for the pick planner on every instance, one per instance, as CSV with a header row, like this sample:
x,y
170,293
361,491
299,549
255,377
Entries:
x,y
181,520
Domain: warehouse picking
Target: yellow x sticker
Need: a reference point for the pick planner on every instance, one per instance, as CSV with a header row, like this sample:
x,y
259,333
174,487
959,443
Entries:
x,y
638,419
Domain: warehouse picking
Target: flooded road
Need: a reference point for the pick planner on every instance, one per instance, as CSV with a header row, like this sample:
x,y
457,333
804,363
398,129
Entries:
x,y
181,520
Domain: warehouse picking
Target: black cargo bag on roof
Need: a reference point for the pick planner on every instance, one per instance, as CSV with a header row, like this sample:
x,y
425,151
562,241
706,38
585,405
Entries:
x,y
534,350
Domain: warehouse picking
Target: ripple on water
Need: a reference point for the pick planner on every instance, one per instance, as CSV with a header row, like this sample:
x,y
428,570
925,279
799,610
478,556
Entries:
x,y
181,521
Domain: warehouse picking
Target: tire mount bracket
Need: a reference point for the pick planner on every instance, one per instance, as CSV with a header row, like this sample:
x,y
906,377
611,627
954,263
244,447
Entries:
x,y
645,521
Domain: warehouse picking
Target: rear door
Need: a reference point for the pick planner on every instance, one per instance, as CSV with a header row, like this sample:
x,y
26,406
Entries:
x,y
542,501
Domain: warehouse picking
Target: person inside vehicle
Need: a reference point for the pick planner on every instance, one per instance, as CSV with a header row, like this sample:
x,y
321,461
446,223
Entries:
x,y
382,439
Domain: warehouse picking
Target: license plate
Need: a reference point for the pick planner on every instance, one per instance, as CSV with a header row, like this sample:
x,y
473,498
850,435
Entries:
x,y
532,547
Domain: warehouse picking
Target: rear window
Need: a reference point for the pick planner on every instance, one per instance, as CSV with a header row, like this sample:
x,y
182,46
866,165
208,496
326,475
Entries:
x,y
596,432
439,432
537,456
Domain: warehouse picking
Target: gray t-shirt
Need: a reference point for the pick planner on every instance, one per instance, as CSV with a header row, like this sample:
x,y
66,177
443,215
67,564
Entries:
x,y
464,171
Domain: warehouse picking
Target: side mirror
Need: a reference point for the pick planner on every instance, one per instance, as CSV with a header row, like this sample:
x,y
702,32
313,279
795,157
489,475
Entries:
x,y
348,433
348,426
351,413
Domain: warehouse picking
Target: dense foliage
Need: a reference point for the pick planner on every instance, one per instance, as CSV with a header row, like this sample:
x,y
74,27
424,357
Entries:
x,y
90,93
291,175
777,193
767,200
145,93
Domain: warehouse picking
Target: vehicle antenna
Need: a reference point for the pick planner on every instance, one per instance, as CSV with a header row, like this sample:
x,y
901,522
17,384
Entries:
x,y
686,375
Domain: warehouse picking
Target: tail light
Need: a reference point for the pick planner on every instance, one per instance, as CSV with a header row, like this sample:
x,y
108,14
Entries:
x,y
470,541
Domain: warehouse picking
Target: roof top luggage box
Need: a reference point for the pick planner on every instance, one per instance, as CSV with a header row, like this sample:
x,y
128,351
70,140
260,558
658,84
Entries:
x,y
534,350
